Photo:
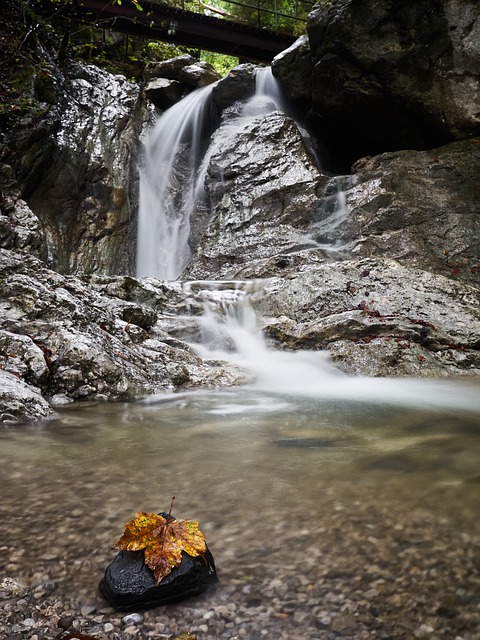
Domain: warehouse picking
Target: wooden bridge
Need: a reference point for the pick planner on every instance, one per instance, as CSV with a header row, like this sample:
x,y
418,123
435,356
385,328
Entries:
x,y
178,26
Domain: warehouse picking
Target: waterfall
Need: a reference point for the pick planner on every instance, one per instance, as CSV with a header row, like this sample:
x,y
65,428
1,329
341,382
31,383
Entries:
x,y
230,332
168,187
172,179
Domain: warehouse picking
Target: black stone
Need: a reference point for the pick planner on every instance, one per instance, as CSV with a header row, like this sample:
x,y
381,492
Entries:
x,y
129,585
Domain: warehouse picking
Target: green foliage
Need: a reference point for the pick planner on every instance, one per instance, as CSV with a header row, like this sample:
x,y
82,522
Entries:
x,y
219,61
288,16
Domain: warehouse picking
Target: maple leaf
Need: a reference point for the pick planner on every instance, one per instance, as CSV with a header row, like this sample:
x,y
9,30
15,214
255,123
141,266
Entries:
x,y
163,538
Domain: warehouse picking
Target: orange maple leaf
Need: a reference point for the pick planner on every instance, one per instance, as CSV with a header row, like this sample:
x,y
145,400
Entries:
x,y
163,539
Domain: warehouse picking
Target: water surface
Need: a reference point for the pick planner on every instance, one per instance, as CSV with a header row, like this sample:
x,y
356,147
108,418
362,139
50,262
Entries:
x,y
288,491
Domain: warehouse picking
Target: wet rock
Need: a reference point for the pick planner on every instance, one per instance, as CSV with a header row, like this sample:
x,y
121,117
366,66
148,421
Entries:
x,y
163,92
293,68
413,84
169,69
79,341
141,316
261,187
83,191
238,84
421,208
20,228
198,75
167,81
130,585
21,402
376,317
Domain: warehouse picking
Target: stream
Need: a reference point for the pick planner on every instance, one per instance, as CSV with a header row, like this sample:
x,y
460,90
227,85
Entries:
x,y
307,504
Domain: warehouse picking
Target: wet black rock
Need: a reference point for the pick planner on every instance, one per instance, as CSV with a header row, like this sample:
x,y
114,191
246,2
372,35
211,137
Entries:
x,y
129,585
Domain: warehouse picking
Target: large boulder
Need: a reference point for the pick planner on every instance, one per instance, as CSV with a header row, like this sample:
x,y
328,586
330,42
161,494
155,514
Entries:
x,y
375,317
75,166
238,84
168,81
261,188
419,207
85,197
389,76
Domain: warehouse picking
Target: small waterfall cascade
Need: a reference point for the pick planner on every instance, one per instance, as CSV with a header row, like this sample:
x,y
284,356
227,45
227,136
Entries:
x,y
168,188
171,182
268,95
230,332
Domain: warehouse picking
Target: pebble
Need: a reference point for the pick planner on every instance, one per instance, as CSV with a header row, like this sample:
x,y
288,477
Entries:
x,y
132,618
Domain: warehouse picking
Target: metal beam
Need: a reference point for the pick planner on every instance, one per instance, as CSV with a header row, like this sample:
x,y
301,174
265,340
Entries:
x,y
177,26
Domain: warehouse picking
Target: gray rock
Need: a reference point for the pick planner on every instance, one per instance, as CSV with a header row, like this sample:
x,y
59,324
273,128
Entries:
x,y
293,68
78,173
376,317
20,228
238,84
79,340
390,76
421,208
198,75
163,92
169,69
261,189
20,402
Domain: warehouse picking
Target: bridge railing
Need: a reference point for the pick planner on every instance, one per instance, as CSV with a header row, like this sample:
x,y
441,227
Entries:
x,y
262,13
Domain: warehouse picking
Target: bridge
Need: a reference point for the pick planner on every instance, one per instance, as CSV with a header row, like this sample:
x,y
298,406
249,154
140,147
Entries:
x,y
179,26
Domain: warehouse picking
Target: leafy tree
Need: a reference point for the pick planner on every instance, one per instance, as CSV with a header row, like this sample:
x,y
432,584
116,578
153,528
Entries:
x,y
219,61
280,15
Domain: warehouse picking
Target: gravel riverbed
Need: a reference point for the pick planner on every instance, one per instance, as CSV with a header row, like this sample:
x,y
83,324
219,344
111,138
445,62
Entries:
x,y
356,547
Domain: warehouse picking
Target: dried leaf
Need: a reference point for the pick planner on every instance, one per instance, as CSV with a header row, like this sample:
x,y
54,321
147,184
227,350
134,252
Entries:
x,y
163,539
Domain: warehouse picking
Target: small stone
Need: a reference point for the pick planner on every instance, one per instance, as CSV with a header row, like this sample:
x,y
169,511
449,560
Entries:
x,y
132,618
108,627
28,622
424,631
132,630
87,609
65,622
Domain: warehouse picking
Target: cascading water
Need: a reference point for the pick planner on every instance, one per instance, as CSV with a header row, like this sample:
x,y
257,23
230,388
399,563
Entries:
x,y
230,332
168,187
171,182
171,187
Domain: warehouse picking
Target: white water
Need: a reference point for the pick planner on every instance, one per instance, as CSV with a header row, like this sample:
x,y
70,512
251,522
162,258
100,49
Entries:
x,y
172,180
168,188
231,333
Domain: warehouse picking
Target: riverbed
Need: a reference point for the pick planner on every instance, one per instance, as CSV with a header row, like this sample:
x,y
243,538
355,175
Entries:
x,y
327,518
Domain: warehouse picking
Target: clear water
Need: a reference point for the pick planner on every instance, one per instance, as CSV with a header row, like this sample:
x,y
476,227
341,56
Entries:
x,y
306,504
239,460
312,487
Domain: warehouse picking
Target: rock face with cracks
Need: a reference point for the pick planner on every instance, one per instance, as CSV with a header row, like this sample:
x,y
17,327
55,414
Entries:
x,y
65,339
381,76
